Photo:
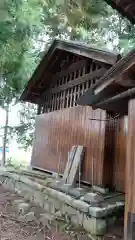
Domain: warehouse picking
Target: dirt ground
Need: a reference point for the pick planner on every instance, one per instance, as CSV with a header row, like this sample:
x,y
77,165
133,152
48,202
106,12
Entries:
x,y
12,229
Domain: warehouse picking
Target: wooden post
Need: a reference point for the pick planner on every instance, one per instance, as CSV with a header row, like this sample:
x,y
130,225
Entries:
x,y
129,225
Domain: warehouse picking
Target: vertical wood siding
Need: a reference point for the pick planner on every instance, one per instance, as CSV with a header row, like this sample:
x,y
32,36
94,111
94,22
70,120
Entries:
x,y
109,153
115,153
120,154
56,132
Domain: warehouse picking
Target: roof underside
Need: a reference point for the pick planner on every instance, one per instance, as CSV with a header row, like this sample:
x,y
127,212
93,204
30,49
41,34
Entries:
x,y
125,7
49,66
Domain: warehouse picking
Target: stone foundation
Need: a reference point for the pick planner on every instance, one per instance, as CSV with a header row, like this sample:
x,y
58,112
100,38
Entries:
x,y
95,217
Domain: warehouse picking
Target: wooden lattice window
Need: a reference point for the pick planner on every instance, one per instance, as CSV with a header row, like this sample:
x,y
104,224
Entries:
x,y
70,84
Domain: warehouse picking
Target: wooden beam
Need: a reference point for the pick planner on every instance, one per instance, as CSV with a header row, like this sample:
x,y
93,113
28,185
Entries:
x,y
129,226
102,56
103,86
79,80
125,94
120,67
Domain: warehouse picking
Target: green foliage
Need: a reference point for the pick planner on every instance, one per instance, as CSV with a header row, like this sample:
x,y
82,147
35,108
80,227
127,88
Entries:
x,y
26,31
25,131
16,35
18,31
16,163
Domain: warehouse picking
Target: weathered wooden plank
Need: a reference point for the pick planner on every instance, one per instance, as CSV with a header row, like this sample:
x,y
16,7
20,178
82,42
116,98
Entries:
x,y
76,162
69,163
79,80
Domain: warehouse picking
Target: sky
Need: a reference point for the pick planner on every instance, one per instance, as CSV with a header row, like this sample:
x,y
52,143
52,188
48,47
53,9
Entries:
x,y
13,116
14,151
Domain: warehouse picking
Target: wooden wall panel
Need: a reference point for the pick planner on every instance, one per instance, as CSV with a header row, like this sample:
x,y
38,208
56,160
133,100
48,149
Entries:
x,y
120,154
115,152
109,152
56,132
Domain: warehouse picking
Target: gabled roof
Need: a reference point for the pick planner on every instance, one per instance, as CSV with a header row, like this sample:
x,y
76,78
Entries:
x,y
58,48
125,7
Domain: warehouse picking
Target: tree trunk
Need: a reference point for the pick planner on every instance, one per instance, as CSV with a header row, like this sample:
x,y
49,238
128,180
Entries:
x,y
5,137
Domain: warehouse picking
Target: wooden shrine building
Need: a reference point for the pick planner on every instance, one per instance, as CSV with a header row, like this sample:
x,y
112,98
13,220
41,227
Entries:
x,y
87,96
68,70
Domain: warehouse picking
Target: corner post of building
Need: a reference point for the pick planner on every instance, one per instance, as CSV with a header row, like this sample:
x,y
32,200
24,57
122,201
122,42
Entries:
x,y
129,225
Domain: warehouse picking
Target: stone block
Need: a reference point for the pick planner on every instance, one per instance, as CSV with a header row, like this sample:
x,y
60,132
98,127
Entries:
x,y
24,190
56,184
56,203
51,192
29,217
45,197
38,198
100,189
16,177
63,208
80,205
92,198
77,219
45,218
49,207
70,211
95,226
77,192
37,211
65,188
55,175
32,184
58,214
22,208
106,210
16,202
64,198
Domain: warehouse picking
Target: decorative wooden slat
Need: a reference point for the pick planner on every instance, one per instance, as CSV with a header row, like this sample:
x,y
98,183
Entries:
x,y
61,100
55,104
71,89
67,89
83,85
79,80
72,68
74,101
67,99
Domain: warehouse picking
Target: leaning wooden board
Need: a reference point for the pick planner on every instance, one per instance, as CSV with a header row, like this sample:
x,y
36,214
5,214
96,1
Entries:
x,y
75,165
69,164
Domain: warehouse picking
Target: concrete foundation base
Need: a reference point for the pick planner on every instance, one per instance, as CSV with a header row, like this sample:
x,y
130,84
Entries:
x,y
76,206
